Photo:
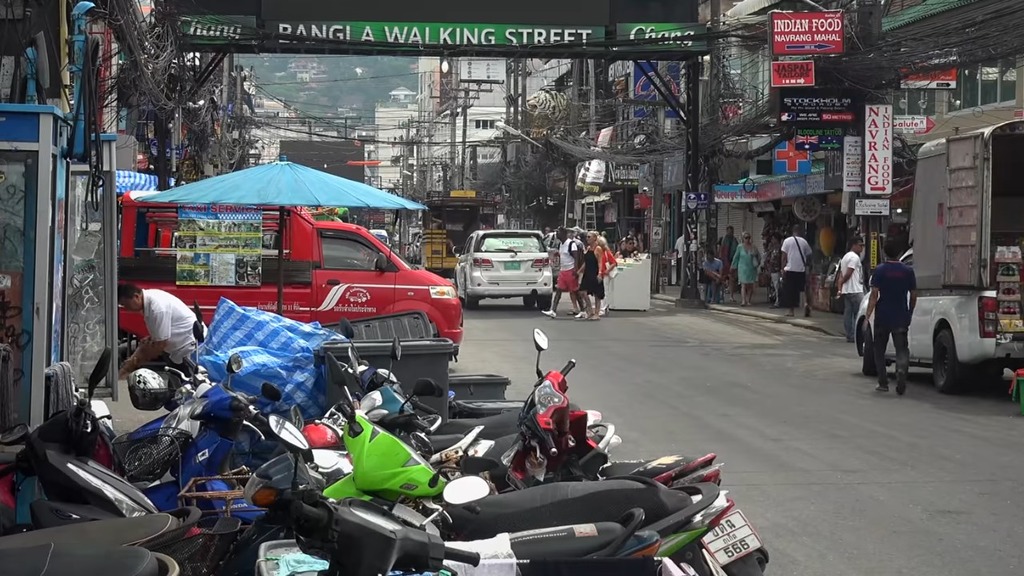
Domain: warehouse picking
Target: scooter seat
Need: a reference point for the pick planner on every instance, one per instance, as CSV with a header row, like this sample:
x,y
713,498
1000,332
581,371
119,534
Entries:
x,y
68,560
440,442
106,533
494,426
577,541
558,504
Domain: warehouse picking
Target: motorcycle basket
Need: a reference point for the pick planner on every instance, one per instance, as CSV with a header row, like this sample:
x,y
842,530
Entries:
x,y
199,548
145,456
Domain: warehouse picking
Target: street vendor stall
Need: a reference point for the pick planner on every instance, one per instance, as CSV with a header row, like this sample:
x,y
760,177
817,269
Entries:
x,y
631,287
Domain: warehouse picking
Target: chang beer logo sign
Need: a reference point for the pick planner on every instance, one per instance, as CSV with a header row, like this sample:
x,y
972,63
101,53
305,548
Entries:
x,y
217,29
436,34
658,35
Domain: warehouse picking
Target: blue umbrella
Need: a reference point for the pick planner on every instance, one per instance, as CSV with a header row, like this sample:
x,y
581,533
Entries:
x,y
283,183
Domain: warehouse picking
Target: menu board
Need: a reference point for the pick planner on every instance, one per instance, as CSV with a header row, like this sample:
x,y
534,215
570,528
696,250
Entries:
x,y
219,245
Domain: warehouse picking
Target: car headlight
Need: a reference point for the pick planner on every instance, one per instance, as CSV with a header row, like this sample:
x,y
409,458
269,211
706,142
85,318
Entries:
x,y
442,292
127,507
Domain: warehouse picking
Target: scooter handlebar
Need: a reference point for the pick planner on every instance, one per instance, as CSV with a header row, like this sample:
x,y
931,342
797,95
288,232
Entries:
x,y
423,407
568,367
456,555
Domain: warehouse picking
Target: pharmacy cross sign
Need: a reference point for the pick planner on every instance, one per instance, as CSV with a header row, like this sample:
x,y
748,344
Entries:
x,y
791,160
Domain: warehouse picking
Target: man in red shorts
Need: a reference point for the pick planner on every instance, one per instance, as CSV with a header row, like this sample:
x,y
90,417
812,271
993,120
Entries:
x,y
570,260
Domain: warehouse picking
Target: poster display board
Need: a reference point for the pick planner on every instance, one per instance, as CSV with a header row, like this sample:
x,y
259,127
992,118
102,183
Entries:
x,y
219,246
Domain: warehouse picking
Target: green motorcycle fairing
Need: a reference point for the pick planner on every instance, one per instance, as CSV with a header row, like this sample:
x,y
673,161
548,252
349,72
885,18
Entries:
x,y
383,466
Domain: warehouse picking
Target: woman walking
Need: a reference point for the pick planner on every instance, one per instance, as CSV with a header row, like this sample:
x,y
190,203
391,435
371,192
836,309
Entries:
x,y
746,262
591,284
608,263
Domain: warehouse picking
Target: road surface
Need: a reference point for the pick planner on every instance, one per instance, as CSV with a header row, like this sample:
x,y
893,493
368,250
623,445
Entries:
x,y
840,480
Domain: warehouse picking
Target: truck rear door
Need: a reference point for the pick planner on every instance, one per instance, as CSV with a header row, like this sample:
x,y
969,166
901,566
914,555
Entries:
x,y
966,212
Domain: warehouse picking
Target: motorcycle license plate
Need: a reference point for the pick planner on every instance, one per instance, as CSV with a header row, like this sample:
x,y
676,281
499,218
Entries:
x,y
732,539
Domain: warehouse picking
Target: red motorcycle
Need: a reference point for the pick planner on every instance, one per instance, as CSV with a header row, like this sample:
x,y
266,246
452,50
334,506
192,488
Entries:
x,y
557,443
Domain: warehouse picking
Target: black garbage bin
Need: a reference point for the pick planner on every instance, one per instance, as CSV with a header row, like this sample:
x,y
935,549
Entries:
x,y
478,386
424,358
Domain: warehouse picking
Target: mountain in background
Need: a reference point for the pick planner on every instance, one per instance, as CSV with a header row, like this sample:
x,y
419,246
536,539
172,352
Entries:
x,y
321,85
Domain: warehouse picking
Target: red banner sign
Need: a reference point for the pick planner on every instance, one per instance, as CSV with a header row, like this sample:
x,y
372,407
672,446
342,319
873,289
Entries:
x,y
792,73
935,80
807,33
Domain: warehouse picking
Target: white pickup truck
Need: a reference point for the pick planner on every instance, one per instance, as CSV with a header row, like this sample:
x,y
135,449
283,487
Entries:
x,y
967,200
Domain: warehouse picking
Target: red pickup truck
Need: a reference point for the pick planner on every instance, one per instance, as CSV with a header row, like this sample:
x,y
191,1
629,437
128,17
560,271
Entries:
x,y
331,270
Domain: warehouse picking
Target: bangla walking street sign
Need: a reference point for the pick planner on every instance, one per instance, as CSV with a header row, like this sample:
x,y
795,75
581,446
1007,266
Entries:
x,y
435,33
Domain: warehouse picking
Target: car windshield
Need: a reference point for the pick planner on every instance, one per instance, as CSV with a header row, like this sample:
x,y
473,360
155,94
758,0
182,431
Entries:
x,y
511,243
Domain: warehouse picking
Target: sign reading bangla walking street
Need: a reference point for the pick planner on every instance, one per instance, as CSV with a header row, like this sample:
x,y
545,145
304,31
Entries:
x,y
613,28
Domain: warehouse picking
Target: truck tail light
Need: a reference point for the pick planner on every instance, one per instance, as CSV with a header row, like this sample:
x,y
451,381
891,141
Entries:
x,y
483,263
541,263
988,317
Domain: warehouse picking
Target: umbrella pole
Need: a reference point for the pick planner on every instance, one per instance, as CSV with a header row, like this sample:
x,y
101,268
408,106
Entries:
x,y
280,261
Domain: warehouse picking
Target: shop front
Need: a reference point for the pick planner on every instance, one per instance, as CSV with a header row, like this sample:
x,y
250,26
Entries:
x,y
769,209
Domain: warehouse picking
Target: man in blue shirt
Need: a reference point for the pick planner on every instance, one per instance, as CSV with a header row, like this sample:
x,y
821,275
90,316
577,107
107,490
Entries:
x,y
712,277
893,297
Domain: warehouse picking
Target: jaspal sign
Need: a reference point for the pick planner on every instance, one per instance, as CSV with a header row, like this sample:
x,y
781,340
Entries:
x,y
807,33
792,73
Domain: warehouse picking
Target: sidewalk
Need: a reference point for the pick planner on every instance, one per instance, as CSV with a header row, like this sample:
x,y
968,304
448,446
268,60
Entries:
x,y
824,322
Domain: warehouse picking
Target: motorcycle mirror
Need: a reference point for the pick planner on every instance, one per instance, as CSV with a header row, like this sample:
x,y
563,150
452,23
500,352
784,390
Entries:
x,y
270,392
99,371
540,340
297,417
466,489
198,332
346,329
475,465
198,311
234,365
14,435
288,433
396,349
353,356
426,387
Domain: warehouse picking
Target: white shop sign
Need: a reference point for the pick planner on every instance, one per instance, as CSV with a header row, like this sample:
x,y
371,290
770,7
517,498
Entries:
x,y
853,164
871,207
878,150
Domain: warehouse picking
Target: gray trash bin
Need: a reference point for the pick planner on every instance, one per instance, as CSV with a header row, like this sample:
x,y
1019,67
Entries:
x,y
426,358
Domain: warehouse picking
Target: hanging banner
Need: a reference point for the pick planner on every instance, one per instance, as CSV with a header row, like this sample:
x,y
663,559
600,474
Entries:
x,y
878,149
853,164
806,33
219,246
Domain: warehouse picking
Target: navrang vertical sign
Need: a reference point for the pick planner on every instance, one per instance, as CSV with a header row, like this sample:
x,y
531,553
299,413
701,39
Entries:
x,y
878,149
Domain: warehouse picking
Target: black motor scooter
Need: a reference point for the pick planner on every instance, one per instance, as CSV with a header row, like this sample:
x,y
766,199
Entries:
x,y
60,453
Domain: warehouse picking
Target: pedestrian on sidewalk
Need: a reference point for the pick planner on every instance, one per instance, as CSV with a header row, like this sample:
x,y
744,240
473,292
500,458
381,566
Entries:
x,y
890,310
711,277
591,283
850,287
727,248
745,263
608,270
570,259
796,253
773,267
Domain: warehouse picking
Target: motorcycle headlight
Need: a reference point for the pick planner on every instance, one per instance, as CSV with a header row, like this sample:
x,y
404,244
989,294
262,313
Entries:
x,y
127,507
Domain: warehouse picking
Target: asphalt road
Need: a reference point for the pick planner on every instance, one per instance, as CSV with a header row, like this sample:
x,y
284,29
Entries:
x,y
839,480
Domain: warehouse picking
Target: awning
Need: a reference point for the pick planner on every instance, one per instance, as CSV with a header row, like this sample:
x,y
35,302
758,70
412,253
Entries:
x,y
774,187
748,7
596,198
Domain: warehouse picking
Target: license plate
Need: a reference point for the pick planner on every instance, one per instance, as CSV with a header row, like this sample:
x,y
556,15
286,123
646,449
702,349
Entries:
x,y
512,265
732,539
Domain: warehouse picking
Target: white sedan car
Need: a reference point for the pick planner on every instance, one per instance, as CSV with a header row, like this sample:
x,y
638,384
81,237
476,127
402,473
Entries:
x,y
504,264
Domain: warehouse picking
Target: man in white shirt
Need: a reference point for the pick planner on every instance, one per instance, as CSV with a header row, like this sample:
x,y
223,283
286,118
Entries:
x,y
570,261
678,251
169,322
796,255
850,285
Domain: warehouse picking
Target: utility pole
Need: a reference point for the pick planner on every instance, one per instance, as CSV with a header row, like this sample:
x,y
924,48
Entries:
x,y
465,130
523,121
657,238
505,140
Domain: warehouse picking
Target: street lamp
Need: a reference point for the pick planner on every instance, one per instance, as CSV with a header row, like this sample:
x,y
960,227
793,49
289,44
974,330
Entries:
x,y
506,128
